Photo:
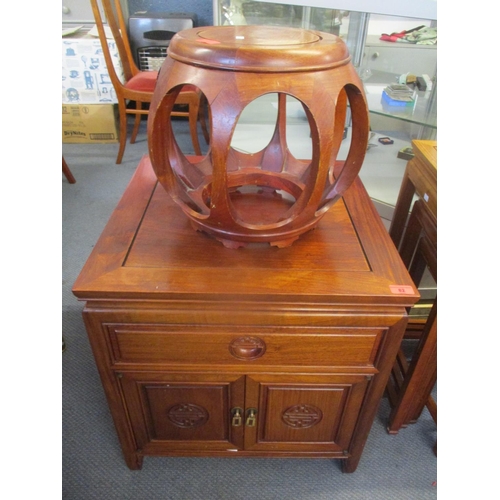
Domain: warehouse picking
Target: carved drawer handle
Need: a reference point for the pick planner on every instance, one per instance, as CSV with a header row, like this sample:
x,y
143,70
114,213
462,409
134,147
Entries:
x,y
247,348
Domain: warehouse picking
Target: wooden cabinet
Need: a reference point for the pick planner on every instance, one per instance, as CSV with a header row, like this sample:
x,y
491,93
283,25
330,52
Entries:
x,y
210,351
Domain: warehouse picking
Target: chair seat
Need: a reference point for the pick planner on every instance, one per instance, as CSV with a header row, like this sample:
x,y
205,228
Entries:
x,y
144,81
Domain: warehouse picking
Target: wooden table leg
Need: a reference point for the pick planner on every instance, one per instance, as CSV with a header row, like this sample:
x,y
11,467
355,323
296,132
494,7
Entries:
x,y
401,210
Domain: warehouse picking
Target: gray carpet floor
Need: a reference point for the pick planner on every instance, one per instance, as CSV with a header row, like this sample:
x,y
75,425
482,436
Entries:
x,y
401,467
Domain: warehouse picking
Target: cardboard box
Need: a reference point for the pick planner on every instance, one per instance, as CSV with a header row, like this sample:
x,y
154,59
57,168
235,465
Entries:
x,y
90,123
85,77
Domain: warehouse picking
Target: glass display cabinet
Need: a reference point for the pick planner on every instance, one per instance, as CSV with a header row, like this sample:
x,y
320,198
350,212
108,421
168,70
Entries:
x,y
379,62
362,24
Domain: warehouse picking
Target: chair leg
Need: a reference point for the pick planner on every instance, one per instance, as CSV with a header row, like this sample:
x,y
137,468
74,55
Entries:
x,y
67,172
137,123
201,118
122,110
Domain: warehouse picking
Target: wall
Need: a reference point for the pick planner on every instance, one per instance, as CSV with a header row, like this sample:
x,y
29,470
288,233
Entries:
x,y
422,9
393,24
202,8
77,11
80,11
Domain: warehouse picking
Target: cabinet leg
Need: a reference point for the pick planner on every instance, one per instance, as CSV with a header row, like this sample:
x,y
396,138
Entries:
x,y
374,394
350,464
133,461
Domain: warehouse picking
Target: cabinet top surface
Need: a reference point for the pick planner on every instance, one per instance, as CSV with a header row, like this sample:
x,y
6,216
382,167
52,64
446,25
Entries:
x,y
149,251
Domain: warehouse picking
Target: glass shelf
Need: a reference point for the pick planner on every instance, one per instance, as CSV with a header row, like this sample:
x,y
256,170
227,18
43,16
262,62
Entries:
x,y
422,112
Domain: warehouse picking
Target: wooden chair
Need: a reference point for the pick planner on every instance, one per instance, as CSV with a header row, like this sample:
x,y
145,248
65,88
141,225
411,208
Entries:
x,y
139,85
409,389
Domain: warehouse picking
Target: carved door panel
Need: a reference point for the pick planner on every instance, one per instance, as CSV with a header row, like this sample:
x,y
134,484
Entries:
x,y
183,412
303,414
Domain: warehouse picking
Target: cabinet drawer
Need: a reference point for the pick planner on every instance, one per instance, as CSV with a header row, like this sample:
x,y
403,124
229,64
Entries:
x,y
186,344
400,58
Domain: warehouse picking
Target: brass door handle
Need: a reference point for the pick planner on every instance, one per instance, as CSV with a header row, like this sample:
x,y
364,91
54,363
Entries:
x,y
236,414
251,417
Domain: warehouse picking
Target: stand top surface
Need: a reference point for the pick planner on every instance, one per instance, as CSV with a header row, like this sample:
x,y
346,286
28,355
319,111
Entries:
x,y
258,48
149,251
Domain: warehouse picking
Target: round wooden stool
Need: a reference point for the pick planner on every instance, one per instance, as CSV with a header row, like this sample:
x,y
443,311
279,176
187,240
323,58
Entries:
x,y
269,196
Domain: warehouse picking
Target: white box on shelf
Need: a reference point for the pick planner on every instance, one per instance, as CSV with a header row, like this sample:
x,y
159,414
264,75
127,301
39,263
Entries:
x,y
85,77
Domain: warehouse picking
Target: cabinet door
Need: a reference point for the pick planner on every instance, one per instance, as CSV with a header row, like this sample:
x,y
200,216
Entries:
x,y
178,412
315,414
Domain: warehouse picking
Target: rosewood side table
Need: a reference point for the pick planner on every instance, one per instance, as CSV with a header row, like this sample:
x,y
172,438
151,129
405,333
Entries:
x,y
420,178
409,389
410,386
208,351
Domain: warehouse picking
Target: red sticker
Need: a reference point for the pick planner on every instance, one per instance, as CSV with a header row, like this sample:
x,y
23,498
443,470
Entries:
x,y
208,41
401,289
